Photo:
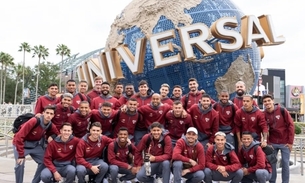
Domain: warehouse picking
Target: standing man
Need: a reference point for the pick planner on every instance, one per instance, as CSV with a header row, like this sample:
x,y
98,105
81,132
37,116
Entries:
x,y
164,90
118,90
129,92
88,153
240,89
96,91
281,134
80,120
143,96
48,99
157,150
59,157
30,140
205,119
222,163
120,155
63,110
189,158
250,118
77,97
177,93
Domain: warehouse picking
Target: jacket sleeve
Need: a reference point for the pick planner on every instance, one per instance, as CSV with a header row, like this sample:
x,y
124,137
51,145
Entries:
x,y
262,122
38,108
237,121
138,159
234,163
167,152
260,160
48,158
53,132
215,126
80,154
289,122
209,159
178,151
112,157
201,159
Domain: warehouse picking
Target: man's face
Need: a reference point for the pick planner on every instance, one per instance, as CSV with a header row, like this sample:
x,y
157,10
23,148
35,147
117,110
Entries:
x,y
129,90
98,88
247,102
84,109
268,103
66,102
95,132
71,87
156,132
132,105
48,114
53,91
246,140
177,109
105,89
98,82
205,102
177,92
122,136
224,97
193,86
156,100
191,137
143,89
240,89
220,141
106,110
82,87
164,91
118,89
65,132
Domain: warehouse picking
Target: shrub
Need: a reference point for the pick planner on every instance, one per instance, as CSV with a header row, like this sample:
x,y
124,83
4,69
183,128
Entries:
x,y
297,128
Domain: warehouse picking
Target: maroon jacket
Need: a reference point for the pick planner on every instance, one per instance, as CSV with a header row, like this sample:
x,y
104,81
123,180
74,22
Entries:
x,y
106,122
44,101
142,100
206,122
184,152
254,160
30,137
127,120
152,114
226,116
177,126
121,157
60,153
97,102
281,128
123,99
226,158
168,101
79,123
92,94
192,99
253,121
238,101
61,115
155,148
77,99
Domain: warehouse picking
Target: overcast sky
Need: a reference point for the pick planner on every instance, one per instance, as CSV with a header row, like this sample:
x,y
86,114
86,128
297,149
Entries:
x,y
84,26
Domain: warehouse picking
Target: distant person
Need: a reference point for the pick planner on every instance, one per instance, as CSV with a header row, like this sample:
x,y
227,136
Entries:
x,y
260,89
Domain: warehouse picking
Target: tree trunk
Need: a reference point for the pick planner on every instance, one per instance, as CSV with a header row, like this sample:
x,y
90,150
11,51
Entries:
x,y
60,73
23,65
16,87
4,83
36,96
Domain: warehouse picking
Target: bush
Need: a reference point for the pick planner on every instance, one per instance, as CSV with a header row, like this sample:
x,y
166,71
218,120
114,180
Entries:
x,y
297,128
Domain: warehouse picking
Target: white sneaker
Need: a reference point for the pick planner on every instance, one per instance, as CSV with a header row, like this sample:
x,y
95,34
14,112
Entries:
x,y
159,180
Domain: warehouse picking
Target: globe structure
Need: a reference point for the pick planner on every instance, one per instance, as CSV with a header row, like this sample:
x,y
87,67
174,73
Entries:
x,y
166,15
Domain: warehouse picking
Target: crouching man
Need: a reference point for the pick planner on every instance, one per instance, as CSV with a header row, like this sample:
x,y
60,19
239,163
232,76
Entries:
x,y
120,156
222,163
253,159
189,158
59,156
157,148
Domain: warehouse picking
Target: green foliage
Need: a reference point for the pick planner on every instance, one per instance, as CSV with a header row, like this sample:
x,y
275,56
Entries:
x,y
10,88
297,128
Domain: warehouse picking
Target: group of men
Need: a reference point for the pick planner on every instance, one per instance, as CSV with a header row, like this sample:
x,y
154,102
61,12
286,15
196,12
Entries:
x,y
146,136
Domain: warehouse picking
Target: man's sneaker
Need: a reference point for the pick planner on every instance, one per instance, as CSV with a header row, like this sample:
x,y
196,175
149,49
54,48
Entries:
x,y
158,180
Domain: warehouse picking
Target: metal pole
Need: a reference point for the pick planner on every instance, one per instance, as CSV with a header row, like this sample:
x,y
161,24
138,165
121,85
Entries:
x,y
6,138
302,166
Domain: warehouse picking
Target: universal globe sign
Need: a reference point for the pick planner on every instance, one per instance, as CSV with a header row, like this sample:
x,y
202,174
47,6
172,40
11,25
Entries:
x,y
171,41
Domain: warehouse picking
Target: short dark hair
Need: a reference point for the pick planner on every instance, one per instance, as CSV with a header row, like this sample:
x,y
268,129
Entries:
x,y
105,83
51,107
97,124
156,124
71,80
206,96
132,99
106,104
177,86
193,79
267,96
177,102
123,129
52,84
142,82
248,95
65,124
84,102
118,83
246,133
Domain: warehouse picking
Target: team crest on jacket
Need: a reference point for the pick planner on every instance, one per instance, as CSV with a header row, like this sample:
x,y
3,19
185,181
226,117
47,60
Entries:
x,y
134,121
251,156
78,101
88,119
99,144
181,122
150,114
34,132
159,145
71,147
161,112
277,116
110,121
224,158
252,118
123,121
59,150
228,112
207,119
195,117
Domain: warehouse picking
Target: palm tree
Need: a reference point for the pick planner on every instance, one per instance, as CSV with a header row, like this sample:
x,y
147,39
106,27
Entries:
x,y
7,61
41,52
62,50
19,71
25,47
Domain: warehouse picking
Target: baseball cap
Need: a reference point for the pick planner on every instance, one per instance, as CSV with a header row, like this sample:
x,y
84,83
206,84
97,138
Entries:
x,y
192,129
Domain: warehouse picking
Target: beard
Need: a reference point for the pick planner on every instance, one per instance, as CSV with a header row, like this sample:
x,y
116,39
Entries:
x,y
240,93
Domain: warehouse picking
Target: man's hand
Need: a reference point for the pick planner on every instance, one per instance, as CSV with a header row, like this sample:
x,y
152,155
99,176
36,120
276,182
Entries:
x,y
185,171
184,114
57,176
95,169
20,161
225,174
289,146
263,144
138,169
208,144
193,162
152,158
124,108
221,169
134,170
239,144
245,171
50,139
38,115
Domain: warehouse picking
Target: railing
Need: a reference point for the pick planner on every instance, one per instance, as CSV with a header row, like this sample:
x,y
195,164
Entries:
x,y
12,111
298,148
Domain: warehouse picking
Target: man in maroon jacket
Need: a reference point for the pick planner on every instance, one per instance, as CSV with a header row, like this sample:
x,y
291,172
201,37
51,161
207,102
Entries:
x,y
120,155
253,159
88,153
189,158
48,99
129,92
177,93
96,91
29,140
250,118
63,110
59,157
157,148
240,89
222,163
105,97
281,134
80,120
175,123
118,90
77,97
164,90
205,119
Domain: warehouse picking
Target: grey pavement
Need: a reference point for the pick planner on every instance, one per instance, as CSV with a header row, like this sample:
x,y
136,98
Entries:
x,y
7,172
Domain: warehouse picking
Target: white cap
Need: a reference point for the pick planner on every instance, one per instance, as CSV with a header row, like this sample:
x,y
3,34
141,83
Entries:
x,y
192,129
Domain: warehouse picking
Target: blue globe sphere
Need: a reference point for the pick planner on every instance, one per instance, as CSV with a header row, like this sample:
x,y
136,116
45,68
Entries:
x,y
206,73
